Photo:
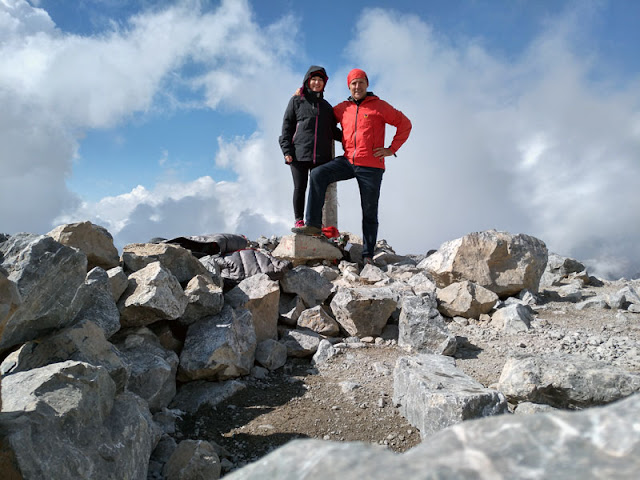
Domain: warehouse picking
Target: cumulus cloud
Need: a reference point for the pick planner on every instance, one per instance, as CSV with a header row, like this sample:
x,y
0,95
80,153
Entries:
x,y
529,144
55,86
533,145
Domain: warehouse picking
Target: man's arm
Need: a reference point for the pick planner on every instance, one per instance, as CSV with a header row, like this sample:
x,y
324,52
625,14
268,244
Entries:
x,y
395,117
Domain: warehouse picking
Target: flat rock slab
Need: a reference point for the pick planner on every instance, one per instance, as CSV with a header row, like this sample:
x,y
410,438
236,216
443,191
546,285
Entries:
x,y
565,381
299,249
433,394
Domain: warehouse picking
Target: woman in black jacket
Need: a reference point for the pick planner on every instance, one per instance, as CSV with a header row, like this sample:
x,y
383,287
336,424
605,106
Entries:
x,y
309,129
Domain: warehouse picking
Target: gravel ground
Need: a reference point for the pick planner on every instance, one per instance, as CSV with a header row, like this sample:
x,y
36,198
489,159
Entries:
x,y
349,397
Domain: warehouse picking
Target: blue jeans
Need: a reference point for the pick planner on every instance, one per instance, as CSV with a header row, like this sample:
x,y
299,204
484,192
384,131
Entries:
x,y
369,181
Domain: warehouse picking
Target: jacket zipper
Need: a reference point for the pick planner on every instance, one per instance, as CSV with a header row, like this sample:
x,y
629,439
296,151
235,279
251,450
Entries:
x,y
355,136
315,134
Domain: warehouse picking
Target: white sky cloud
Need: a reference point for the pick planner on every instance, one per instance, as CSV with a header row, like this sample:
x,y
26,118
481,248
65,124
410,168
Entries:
x,y
532,144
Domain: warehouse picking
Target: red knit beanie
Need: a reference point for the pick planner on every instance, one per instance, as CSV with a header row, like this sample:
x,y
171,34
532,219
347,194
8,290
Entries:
x,y
356,73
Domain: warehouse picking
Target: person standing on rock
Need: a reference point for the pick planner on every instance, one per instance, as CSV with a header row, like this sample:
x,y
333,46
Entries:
x,y
363,117
309,129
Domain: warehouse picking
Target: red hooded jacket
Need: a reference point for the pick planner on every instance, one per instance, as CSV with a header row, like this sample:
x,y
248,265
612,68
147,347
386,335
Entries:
x,y
363,129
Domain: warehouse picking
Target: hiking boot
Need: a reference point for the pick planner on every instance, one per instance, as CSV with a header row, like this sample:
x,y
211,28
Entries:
x,y
307,230
367,261
299,223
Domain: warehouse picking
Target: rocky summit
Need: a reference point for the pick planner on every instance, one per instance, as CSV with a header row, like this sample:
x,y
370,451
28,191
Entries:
x,y
286,358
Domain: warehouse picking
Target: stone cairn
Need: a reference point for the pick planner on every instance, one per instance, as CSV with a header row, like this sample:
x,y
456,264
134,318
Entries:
x,y
101,353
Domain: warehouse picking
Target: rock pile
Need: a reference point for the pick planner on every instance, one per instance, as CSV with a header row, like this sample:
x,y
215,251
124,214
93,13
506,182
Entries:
x,y
102,353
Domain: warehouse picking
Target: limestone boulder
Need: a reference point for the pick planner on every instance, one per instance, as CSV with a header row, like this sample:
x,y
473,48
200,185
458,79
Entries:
x,y
94,240
9,297
193,459
153,294
318,320
433,394
271,354
205,298
68,422
261,296
83,342
312,287
498,261
219,347
153,367
299,249
118,282
513,318
177,260
46,275
565,381
421,327
465,299
300,343
594,443
94,303
290,308
193,395
363,311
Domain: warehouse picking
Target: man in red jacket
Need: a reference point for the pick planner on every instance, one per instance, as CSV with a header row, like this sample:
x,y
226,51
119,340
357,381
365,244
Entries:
x,y
363,117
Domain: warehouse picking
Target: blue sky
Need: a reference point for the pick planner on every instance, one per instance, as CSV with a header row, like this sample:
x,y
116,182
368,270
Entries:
x,y
161,118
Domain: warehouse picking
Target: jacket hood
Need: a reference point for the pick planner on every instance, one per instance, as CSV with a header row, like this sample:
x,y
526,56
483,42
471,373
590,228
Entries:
x,y
319,71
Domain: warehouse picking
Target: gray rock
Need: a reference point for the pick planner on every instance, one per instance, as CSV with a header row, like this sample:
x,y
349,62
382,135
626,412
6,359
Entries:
x,y
372,274
300,343
422,284
570,293
194,395
82,343
9,297
318,320
93,240
153,367
261,296
47,275
290,309
596,302
330,273
193,460
498,261
513,318
177,260
363,311
560,445
219,347
205,298
72,425
558,269
565,381
310,285
421,328
153,294
624,298
529,408
433,394
300,249
118,282
325,351
465,299
271,354
94,303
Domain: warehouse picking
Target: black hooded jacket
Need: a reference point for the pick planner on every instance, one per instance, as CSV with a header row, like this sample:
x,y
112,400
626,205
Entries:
x,y
309,126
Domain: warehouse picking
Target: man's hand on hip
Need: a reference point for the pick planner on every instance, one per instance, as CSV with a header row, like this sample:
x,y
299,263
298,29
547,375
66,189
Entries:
x,y
382,152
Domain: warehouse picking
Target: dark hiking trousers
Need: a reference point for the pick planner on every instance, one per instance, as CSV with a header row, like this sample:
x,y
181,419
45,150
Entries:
x,y
369,180
300,174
